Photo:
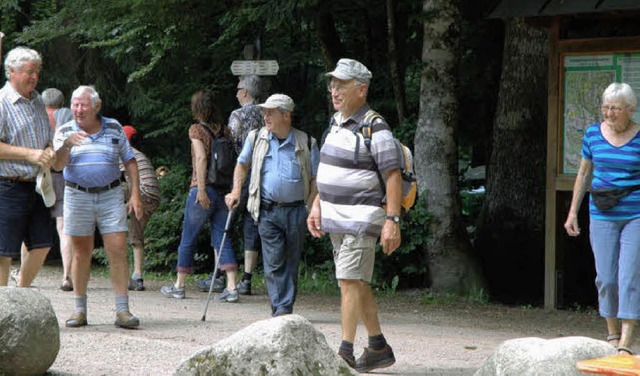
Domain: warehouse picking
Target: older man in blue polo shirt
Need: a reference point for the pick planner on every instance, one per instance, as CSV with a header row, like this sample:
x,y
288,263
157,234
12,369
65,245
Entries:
x,y
25,136
90,148
283,163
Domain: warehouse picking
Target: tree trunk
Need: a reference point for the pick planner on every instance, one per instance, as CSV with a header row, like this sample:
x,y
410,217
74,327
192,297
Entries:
x,y
332,47
452,267
511,232
397,80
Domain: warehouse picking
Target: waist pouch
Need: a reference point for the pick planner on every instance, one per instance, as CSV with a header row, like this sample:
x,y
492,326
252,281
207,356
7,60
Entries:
x,y
605,199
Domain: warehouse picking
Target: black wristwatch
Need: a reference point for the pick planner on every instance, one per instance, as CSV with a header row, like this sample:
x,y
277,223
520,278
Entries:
x,y
394,218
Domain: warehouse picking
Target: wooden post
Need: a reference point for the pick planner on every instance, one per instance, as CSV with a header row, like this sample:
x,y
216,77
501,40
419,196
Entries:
x,y
551,210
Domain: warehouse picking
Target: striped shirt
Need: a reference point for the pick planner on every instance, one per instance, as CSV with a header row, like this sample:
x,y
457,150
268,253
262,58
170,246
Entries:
x,y
95,162
350,192
23,123
148,180
613,167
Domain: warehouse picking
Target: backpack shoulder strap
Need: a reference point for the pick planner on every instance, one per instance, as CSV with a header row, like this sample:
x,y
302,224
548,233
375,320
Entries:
x,y
365,129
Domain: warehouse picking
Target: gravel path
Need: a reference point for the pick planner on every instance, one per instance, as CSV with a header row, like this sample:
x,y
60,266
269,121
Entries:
x,y
442,339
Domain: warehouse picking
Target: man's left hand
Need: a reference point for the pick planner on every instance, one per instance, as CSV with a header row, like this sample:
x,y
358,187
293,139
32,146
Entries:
x,y
390,237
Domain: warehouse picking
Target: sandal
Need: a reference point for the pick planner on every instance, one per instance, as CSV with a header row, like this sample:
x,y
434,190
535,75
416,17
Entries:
x,y
626,349
66,285
613,337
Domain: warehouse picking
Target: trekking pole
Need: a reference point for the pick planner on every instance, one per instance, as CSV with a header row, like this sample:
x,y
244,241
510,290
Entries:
x,y
217,259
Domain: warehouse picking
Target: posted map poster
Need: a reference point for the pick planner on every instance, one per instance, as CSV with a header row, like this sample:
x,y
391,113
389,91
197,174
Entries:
x,y
585,78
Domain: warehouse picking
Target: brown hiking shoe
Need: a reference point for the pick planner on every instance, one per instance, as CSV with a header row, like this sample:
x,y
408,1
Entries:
x,y
76,320
349,359
372,359
126,320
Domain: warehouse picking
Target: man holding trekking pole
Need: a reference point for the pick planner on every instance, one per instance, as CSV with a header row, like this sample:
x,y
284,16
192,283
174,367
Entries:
x,y
283,162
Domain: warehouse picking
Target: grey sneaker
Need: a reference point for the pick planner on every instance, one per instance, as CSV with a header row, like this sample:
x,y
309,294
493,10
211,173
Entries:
x,y
228,296
218,284
244,287
173,292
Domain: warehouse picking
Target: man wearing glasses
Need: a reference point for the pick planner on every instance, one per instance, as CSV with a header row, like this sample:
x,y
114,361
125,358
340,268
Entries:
x,y
348,207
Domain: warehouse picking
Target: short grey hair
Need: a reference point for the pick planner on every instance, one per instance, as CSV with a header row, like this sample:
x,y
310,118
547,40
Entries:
x,y
93,94
53,97
251,84
620,91
18,56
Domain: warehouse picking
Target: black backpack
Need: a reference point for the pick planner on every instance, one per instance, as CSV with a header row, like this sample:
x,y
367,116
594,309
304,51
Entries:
x,y
222,162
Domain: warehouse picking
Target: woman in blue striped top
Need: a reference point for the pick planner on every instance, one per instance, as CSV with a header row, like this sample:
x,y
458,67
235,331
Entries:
x,y
611,160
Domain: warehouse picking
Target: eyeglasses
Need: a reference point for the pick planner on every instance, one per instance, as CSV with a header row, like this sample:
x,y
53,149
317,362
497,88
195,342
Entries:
x,y
340,88
615,110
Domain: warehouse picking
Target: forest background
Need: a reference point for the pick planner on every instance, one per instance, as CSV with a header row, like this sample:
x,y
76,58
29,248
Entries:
x,y
462,90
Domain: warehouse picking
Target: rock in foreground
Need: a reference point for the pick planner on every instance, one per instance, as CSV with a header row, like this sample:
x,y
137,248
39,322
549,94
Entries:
x,y
285,345
29,332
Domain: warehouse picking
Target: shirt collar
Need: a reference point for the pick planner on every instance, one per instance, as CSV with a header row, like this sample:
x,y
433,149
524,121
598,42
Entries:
x,y
356,118
14,96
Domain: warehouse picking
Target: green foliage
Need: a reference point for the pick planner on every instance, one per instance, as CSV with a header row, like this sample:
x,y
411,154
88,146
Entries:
x,y
478,296
408,264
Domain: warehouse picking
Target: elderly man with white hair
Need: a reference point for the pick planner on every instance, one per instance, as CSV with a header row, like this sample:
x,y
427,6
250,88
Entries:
x,y
25,139
90,148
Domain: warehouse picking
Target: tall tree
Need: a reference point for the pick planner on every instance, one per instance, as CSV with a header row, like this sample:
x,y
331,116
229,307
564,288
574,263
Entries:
x,y
452,267
511,231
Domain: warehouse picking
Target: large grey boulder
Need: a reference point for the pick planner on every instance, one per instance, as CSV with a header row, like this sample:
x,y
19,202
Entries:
x,y
285,345
537,356
29,332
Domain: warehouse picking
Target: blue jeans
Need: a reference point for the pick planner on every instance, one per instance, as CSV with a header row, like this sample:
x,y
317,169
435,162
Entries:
x,y
616,249
195,217
282,230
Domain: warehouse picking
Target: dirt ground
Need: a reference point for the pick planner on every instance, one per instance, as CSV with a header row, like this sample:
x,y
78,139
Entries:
x,y
442,339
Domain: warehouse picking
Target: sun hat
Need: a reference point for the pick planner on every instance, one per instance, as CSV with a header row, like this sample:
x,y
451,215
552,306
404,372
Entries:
x,y
129,130
279,101
349,69
44,186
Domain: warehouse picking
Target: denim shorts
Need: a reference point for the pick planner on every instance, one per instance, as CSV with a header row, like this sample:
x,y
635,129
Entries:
x,y
354,256
24,218
84,211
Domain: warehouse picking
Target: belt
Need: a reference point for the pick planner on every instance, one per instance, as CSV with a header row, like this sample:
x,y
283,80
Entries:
x,y
268,204
112,185
18,179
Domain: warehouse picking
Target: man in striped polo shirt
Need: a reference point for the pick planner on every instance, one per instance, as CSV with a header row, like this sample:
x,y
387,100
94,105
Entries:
x,y
25,139
90,148
348,207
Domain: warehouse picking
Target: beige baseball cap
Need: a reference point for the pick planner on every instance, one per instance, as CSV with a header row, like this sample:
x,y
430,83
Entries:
x,y
279,101
44,186
349,69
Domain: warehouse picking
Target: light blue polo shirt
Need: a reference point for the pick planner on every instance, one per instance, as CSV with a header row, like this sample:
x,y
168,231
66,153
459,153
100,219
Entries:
x,y
281,178
95,163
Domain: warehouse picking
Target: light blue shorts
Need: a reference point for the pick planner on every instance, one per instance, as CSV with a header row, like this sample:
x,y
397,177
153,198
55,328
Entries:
x,y
84,211
354,256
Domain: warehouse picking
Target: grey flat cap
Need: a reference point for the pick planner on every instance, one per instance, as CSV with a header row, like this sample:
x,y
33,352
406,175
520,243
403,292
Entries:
x,y
279,101
349,69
